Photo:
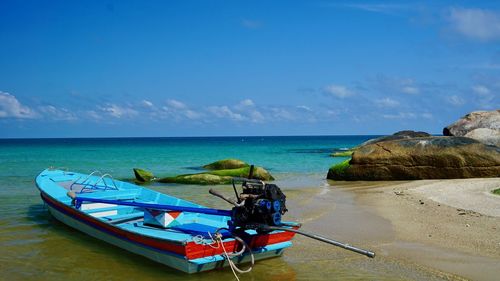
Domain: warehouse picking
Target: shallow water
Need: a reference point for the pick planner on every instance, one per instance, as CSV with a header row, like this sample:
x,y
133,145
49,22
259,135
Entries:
x,y
34,246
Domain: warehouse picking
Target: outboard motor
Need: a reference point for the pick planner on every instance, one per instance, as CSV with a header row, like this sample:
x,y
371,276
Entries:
x,y
259,203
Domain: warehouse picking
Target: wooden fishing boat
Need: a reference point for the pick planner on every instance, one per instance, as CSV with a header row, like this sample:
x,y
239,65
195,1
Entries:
x,y
163,228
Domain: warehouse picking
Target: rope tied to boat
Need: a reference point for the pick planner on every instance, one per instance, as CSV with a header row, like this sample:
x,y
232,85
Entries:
x,y
229,256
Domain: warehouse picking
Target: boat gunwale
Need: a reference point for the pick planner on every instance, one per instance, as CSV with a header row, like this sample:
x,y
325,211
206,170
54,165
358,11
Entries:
x,y
183,250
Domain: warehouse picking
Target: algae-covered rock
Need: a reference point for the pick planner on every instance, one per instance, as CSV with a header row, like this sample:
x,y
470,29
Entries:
x,y
226,164
421,158
338,170
219,176
143,175
259,173
203,179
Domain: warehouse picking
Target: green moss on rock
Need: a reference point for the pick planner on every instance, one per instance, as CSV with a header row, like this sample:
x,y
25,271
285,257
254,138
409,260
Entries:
x,y
218,176
496,191
258,173
338,171
346,153
202,179
226,164
143,175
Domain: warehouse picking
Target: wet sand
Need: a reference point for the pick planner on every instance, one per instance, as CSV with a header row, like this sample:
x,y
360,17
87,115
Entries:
x,y
420,230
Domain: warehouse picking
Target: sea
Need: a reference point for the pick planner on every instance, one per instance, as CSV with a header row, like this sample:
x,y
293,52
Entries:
x,y
34,246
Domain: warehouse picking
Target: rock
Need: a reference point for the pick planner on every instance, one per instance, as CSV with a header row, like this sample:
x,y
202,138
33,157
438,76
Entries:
x,y
345,153
259,173
485,135
475,120
337,171
420,158
219,176
203,179
143,175
407,134
226,164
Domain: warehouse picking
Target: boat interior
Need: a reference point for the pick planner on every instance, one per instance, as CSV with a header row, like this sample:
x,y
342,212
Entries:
x,y
102,186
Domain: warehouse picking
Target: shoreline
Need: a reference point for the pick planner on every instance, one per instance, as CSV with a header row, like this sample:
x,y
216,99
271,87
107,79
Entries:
x,y
405,223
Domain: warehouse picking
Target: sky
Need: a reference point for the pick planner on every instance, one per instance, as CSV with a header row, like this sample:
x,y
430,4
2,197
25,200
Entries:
x,y
232,68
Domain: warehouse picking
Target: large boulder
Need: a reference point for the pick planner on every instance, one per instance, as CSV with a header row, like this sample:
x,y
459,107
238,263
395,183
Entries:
x,y
476,120
406,134
226,164
486,136
420,158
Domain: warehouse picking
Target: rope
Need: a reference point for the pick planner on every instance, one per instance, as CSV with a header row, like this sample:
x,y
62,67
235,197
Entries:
x,y
234,268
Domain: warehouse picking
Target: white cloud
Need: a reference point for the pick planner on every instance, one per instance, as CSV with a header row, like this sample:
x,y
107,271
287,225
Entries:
x,y
455,100
251,24
427,115
225,112
410,90
11,107
55,113
386,102
191,114
282,113
338,91
247,102
479,24
118,111
146,103
400,115
481,90
378,8
176,104
304,107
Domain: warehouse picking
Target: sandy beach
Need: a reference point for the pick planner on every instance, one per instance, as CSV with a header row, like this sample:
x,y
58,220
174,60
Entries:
x,y
429,229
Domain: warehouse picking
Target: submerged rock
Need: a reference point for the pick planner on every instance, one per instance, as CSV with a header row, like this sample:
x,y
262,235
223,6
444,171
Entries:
x,y
476,120
345,153
221,176
143,175
420,158
226,164
203,179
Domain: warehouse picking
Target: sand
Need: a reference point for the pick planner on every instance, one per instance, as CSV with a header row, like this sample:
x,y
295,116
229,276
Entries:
x,y
449,229
449,225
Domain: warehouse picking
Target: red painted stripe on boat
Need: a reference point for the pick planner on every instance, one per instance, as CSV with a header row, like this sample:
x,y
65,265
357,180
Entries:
x,y
191,250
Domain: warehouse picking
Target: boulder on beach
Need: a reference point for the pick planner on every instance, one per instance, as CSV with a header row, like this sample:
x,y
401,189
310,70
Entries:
x,y
143,175
465,126
420,158
485,135
226,164
406,134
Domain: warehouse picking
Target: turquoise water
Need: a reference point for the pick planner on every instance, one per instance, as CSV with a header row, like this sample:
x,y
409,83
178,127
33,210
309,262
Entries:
x,y
34,246
285,157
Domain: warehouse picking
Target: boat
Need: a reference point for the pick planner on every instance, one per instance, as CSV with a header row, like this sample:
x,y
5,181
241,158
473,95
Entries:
x,y
166,229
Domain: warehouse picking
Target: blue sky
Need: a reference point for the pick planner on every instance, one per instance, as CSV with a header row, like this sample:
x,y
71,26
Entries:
x,y
216,68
